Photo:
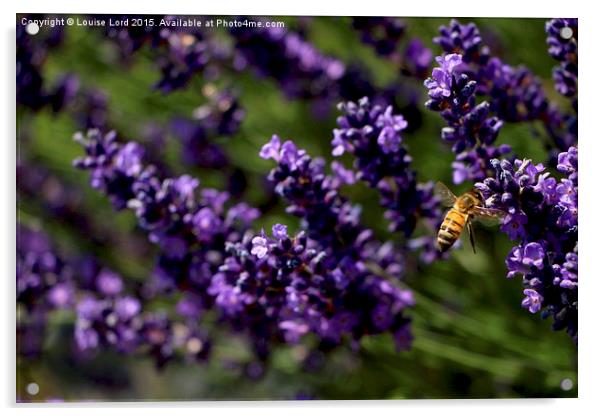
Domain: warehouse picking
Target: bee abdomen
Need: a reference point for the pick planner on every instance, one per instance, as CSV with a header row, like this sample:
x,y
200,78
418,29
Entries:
x,y
450,230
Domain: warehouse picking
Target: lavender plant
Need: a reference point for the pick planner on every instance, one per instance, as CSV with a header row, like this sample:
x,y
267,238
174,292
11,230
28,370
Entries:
x,y
32,90
562,42
220,117
331,267
515,93
299,68
326,281
470,130
181,52
189,228
207,255
44,281
542,216
372,134
385,35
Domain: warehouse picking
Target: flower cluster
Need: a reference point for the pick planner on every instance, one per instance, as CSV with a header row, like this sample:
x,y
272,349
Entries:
x,y
515,94
191,226
110,322
44,283
220,116
542,216
328,279
31,54
187,54
92,109
417,59
383,33
35,181
129,39
470,129
562,42
181,52
190,230
106,315
299,68
372,134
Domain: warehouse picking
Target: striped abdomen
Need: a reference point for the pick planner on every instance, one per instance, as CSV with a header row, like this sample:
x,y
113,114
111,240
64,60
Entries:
x,y
450,229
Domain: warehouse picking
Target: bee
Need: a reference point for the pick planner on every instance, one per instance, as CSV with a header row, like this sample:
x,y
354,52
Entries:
x,y
464,209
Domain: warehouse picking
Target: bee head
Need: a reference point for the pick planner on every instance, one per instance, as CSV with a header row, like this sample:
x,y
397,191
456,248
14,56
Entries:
x,y
478,195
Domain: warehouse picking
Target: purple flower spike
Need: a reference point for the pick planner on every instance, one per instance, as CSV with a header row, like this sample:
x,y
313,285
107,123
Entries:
x,y
562,42
514,94
542,217
372,134
470,130
301,70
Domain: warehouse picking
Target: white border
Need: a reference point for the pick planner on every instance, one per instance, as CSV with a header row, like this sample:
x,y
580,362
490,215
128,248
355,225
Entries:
x,y
590,144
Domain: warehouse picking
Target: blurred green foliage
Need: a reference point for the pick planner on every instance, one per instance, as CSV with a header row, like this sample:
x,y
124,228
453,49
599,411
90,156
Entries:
x,y
472,338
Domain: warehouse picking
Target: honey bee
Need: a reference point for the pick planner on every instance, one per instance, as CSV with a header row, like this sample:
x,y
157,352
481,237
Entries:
x,y
464,209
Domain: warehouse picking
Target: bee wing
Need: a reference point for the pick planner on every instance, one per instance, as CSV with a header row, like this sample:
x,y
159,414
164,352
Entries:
x,y
447,197
488,216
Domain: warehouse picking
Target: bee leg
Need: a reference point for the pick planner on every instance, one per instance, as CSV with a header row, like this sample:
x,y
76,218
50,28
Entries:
x,y
471,234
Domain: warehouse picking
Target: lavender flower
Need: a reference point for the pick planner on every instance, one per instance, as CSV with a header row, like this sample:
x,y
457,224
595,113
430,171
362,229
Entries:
x,y
31,54
562,42
515,94
44,283
299,68
64,92
183,52
440,84
92,110
114,167
470,130
542,216
383,33
417,59
132,38
191,226
197,148
187,54
460,39
109,283
532,300
106,316
372,134
221,116
320,280
108,322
